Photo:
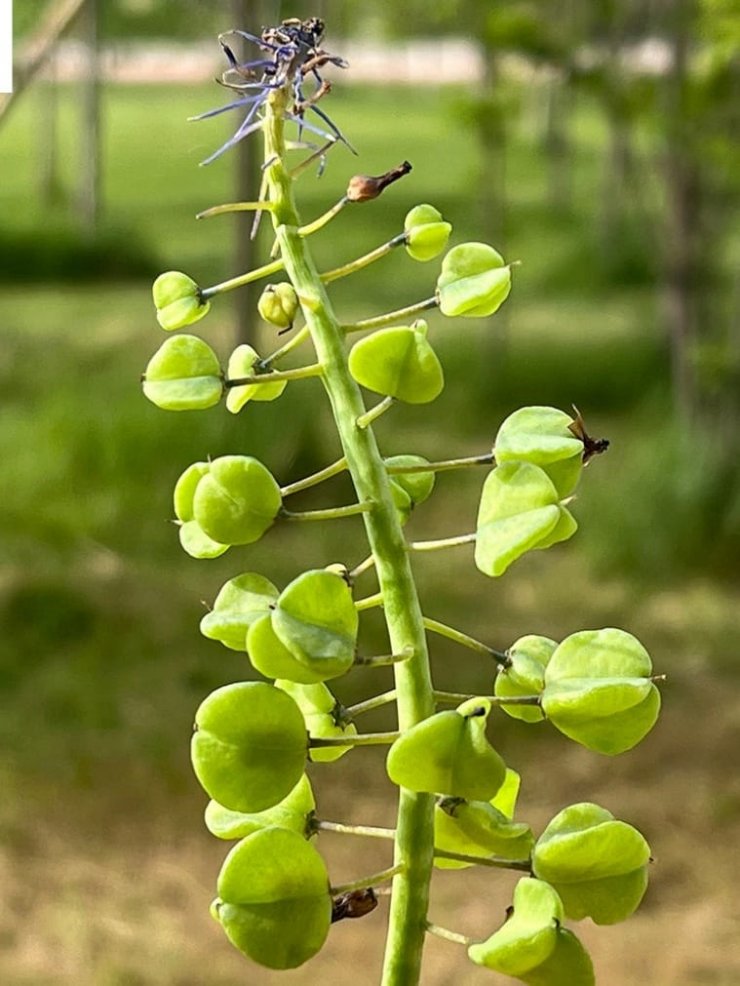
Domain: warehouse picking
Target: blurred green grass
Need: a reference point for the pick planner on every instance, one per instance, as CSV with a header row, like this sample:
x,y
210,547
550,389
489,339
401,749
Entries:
x,y
101,606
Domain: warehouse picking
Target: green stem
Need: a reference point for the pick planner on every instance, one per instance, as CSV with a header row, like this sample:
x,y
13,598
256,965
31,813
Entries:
x,y
220,210
457,698
361,739
522,865
369,602
366,881
443,465
440,543
274,376
369,258
447,935
376,702
363,567
289,346
399,315
467,641
414,842
242,279
372,831
328,472
330,513
322,220
363,420
383,660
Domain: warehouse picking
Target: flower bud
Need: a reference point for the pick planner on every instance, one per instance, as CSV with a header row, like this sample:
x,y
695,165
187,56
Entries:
x,y
426,233
364,188
278,304
178,300
474,281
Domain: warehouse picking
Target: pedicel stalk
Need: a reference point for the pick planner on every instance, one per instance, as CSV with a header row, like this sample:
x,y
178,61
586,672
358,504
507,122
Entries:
x,y
254,739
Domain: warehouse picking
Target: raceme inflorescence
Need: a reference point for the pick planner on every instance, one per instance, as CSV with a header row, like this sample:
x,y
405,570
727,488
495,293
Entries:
x,y
254,740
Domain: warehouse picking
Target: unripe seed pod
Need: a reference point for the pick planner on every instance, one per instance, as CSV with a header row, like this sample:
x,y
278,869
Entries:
x,y
178,300
426,232
278,304
474,281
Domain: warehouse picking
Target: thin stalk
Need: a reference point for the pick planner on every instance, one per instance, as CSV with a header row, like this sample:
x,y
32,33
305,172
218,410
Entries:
x,y
456,698
372,831
399,315
328,472
361,739
366,881
522,865
317,224
369,258
221,210
242,279
441,543
376,702
369,602
289,346
329,513
442,466
467,641
363,567
447,935
366,419
413,848
383,660
274,376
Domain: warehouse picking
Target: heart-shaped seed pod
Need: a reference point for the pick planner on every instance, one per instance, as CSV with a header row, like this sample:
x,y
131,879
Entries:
x,y
250,745
398,362
569,964
410,489
178,300
183,375
448,753
598,865
474,281
525,675
278,304
542,436
239,603
241,364
293,813
197,543
598,690
322,715
237,500
426,232
477,828
272,658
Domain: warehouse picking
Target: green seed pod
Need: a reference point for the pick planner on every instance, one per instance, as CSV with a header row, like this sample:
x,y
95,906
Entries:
x,y
418,486
274,901
197,543
272,658
178,300
426,233
321,712
185,490
448,753
237,500
239,603
542,436
250,745
183,375
598,690
519,510
474,281
569,964
241,364
477,828
398,362
598,865
525,675
278,304
529,936
293,813
316,620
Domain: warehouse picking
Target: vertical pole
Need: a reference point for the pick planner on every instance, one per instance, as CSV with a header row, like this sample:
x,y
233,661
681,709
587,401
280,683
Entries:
x,y
89,193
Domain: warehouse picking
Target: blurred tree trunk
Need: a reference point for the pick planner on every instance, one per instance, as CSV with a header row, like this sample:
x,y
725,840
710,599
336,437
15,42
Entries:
x,y
50,185
90,143
683,228
492,130
557,144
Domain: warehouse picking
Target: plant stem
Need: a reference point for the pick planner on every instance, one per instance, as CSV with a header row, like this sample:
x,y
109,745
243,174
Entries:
x,y
322,220
456,698
274,376
315,478
363,420
443,465
384,660
371,703
415,834
467,641
447,935
366,881
361,739
242,279
289,346
330,513
369,258
399,315
440,543
363,567
369,602
372,831
220,210
522,865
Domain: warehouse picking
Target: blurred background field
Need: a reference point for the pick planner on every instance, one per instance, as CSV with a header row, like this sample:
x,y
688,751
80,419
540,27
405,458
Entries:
x,y
106,868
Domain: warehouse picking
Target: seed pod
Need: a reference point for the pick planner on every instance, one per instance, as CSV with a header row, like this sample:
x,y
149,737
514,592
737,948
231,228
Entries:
x,y
322,715
426,233
241,364
474,281
278,304
237,500
398,362
240,602
542,436
178,300
183,375
525,674
293,813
